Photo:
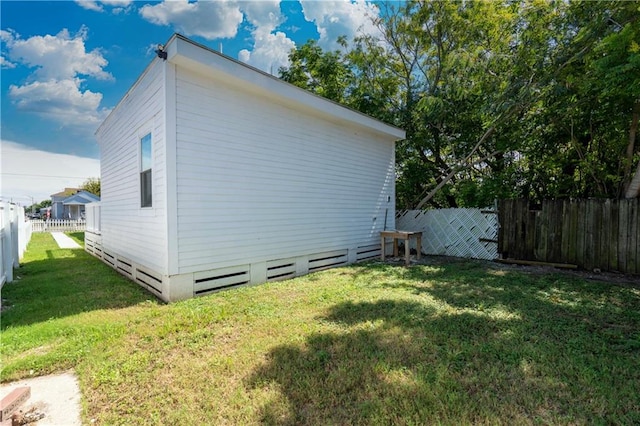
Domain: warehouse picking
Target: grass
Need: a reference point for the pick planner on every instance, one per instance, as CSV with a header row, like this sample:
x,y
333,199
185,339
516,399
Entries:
x,y
453,343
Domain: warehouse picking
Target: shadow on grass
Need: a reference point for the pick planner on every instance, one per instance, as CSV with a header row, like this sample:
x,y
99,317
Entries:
x,y
66,282
465,345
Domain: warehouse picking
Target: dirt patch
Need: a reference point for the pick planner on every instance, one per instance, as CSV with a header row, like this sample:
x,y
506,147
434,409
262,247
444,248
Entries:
x,y
609,277
632,280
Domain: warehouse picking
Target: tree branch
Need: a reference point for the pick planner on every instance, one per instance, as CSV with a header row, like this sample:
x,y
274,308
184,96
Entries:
x,y
450,176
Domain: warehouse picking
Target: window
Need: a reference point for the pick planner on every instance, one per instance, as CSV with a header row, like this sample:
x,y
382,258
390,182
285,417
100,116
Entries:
x,y
145,171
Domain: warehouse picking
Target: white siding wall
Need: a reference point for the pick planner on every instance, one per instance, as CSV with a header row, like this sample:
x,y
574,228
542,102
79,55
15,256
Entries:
x,y
127,230
258,181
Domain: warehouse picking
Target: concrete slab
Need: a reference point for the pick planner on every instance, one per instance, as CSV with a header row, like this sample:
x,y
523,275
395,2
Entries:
x,y
57,396
64,241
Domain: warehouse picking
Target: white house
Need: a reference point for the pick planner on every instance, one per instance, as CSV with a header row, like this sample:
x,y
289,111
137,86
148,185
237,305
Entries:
x,y
215,174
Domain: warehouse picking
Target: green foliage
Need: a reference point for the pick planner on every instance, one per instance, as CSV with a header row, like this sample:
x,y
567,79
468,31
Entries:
x,y
323,73
575,142
512,99
37,206
91,185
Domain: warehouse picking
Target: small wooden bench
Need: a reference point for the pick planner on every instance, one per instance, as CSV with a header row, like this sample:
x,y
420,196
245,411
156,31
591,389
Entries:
x,y
400,235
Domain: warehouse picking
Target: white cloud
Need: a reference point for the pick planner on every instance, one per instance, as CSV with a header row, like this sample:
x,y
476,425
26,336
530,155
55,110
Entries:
x,y
244,55
270,50
8,36
28,172
60,56
54,89
90,5
4,63
151,49
117,3
207,19
340,18
264,15
98,6
61,100
221,19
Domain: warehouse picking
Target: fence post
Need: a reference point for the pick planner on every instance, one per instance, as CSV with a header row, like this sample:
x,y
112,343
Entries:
x,y
7,250
15,244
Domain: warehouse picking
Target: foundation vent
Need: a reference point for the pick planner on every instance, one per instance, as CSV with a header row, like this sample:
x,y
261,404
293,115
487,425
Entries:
x,y
109,258
368,252
209,281
124,268
148,279
281,269
329,259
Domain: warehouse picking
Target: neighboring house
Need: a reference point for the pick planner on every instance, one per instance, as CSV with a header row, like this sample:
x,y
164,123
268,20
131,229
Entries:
x,y
215,174
57,208
70,203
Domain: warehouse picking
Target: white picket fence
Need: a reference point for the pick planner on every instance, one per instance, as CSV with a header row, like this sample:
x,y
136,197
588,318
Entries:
x,y
468,232
63,225
15,234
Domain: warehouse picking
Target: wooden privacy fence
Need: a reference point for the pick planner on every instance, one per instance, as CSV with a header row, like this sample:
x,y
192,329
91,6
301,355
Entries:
x,y
594,233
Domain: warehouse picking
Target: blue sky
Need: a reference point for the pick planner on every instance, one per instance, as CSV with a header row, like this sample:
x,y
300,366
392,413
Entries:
x,y
66,64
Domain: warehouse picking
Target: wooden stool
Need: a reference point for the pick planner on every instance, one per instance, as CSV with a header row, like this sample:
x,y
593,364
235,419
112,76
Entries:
x,y
400,235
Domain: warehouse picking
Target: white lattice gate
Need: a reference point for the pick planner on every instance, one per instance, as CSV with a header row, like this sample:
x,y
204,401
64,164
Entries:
x,y
470,233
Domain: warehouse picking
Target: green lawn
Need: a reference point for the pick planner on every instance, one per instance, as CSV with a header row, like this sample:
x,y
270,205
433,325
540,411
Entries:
x,y
454,343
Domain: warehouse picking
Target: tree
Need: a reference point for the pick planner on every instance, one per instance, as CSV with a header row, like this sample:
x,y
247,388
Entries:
x,y
633,190
511,99
464,75
35,208
91,185
581,140
324,73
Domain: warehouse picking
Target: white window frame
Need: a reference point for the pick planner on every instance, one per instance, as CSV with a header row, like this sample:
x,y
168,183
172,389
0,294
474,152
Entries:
x,y
141,137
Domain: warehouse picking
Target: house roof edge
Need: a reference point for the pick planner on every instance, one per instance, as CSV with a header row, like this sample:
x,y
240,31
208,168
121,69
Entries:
x,y
218,60
234,68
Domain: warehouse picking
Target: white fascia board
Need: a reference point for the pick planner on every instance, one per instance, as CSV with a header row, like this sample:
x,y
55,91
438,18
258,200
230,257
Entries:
x,y
186,53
